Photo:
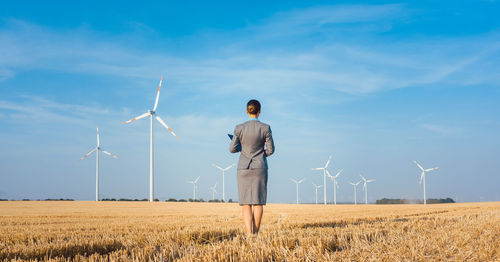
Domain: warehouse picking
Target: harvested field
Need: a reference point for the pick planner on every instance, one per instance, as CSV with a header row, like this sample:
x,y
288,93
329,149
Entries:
x,y
102,231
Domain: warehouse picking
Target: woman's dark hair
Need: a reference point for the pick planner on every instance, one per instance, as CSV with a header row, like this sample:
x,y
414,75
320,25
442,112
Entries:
x,y
253,107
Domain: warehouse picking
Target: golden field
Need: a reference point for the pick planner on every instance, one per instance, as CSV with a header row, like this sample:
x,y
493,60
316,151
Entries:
x,y
139,231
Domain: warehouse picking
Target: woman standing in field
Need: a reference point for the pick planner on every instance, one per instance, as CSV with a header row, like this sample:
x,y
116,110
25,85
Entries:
x,y
255,142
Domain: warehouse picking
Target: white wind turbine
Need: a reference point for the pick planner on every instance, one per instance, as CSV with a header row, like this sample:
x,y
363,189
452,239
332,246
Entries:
x,y
324,176
365,187
151,114
96,150
335,184
214,191
297,186
422,177
194,187
355,185
316,189
223,173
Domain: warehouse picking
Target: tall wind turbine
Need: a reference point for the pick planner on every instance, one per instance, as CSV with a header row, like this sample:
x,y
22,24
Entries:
x,y
152,114
214,191
335,184
96,150
355,185
324,176
223,172
194,187
422,177
365,187
316,189
297,186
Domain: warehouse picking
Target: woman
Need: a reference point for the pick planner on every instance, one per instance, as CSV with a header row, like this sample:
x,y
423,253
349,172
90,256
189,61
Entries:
x,y
254,139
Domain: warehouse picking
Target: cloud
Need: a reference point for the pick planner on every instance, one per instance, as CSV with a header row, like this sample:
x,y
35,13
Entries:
x,y
254,63
436,128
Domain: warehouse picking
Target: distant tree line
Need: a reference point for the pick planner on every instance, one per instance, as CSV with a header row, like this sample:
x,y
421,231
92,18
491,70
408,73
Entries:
x,y
168,200
48,199
392,201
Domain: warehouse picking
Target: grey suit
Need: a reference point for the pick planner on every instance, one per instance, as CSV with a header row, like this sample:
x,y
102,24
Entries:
x,y
256,143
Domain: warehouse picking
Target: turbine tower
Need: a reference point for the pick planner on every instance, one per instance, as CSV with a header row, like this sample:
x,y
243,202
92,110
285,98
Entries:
x,y
223,172
365,187
355,185
422,177
152,114
297,186
324,176
335,184
316,189
96,150
212,188
194,187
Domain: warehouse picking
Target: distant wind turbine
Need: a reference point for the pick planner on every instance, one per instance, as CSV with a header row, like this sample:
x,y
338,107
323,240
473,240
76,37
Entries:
x,y
355,185
223,172
96,150
214,191
324,176
365,187
422,177
194,187
316,189
335,184
297,186
152,113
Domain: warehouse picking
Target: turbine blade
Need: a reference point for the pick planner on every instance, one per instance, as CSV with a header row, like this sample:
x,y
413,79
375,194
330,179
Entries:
x,y
109,154
139,117
165,125
317,168
88,154
430,169
196,181
419,166
293,180
337,175
328,162
328,173
371,180
227,168
301,180
98,142
352,183
422,177
364,179
217,166
157,95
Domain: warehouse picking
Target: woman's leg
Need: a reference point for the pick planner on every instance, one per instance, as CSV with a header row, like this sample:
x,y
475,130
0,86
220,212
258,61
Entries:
x,y
258,210
247,218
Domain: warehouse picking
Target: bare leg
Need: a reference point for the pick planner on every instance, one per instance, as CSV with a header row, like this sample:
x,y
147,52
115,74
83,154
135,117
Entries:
x,y
247,218
258,210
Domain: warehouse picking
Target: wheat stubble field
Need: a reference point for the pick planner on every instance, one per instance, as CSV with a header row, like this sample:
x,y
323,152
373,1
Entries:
x,y
123,231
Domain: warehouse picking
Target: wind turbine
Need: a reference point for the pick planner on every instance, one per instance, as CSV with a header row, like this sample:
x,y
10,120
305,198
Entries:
x,y
365,187
297,186
96,150
194,187
223,172
335,184
316,188
355,185
324,176
422,177
151,114
212,188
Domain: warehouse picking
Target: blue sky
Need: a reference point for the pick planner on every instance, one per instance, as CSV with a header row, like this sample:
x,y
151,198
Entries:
x,y
376,84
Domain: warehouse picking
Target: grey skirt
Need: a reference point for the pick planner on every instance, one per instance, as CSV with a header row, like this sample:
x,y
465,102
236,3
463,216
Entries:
x,y
252,186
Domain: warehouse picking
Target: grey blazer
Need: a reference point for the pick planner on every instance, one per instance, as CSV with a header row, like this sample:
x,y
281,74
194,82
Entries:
x,y
256,142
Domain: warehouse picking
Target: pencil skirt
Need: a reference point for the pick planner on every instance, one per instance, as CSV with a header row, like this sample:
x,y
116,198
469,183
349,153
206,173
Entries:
x,y
252,186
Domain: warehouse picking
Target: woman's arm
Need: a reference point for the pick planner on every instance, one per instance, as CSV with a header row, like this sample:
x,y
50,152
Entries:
x,y
269,142
235,145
